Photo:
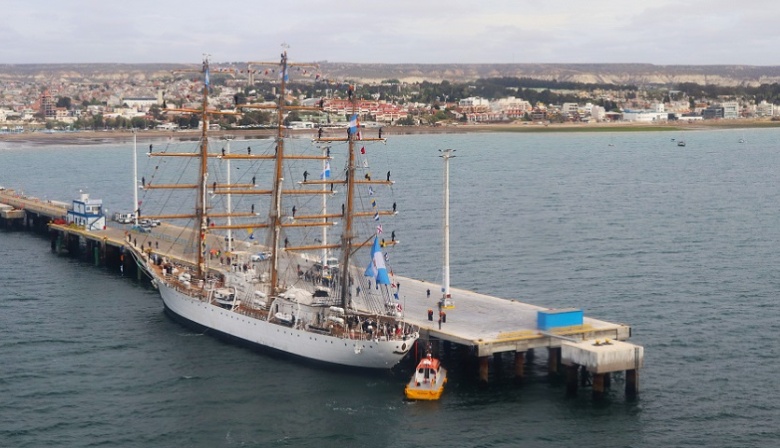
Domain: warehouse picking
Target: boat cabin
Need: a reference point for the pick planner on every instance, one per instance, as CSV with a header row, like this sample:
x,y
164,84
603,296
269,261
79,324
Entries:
x,y
427,370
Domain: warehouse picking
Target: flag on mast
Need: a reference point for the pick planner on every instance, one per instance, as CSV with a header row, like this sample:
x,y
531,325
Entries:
x,y
353,125
376,268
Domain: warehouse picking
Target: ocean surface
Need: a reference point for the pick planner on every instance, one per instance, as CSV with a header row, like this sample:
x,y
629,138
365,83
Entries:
x,y
683,244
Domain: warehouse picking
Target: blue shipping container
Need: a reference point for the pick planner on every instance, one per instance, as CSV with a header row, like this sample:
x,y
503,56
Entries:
x,y
568,317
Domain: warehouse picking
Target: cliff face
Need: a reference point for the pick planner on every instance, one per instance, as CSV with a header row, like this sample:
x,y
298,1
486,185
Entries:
x,y
637,74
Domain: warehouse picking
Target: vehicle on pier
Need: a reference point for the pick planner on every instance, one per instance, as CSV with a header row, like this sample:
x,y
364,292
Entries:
x,y
124,218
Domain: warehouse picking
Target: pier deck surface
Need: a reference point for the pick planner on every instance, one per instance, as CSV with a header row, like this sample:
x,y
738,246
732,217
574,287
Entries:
x,y
492,324
41,207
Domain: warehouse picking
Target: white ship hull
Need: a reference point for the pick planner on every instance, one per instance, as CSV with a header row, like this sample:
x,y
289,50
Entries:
x,y
375,354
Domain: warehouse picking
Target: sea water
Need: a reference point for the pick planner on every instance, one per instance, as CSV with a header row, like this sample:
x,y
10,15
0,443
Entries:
x,y
680,243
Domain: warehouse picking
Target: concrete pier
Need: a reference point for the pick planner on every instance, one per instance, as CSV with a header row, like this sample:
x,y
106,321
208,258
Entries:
x,y
484,325
601,357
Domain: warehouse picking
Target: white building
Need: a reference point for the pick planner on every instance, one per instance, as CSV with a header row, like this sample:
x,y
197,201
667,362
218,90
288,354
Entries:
x,y
764,109
730,110
510,107
474,104
644,115
87,213
569,108
143,103
598,113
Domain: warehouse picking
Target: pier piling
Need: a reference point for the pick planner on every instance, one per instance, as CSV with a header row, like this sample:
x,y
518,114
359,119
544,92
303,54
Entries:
x,y
484,363
572,374
519,365
553,360
599,385
632,383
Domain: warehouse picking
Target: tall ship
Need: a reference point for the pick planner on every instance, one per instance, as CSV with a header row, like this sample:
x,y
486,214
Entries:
x,y
257,249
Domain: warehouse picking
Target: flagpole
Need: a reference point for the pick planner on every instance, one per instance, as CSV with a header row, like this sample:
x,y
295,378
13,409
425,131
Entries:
x,y
135,177
446,299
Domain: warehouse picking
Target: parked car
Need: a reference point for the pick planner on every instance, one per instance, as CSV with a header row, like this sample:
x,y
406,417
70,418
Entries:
x,y
142,229
260,256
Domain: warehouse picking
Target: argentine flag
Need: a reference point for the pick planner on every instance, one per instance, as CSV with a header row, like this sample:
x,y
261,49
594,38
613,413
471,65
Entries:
x,y
376,268
353,124
326,172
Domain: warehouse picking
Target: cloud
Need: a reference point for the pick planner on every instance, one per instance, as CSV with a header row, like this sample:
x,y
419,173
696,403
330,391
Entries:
x,y
431,31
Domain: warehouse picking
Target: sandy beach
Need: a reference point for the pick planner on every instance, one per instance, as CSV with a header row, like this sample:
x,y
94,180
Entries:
x,y
96,137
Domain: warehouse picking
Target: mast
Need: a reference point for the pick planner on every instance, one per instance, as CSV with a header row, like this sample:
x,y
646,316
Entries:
x,y
275,215
446,301
276,201
200,203
201,214
229,197
325,176
135,177
346,236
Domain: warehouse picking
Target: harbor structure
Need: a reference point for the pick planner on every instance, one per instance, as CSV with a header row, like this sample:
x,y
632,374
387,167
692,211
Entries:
x,y
486,327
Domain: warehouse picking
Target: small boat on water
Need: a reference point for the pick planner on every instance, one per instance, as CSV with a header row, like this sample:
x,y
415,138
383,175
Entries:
x,y
681,143
428,380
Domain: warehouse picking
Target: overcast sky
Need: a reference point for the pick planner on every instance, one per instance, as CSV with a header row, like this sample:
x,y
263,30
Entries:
x,y
393,31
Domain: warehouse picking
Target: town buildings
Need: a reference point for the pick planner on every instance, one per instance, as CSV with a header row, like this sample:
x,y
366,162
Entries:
x,y
118,101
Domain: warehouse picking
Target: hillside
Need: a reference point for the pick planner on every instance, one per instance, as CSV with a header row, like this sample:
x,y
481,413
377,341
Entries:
x,y
637,74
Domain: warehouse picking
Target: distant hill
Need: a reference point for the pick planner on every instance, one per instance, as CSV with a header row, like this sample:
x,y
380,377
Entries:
x,y
637,74
88,72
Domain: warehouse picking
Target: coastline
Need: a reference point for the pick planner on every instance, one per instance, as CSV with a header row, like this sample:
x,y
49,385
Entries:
x,y
97,137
